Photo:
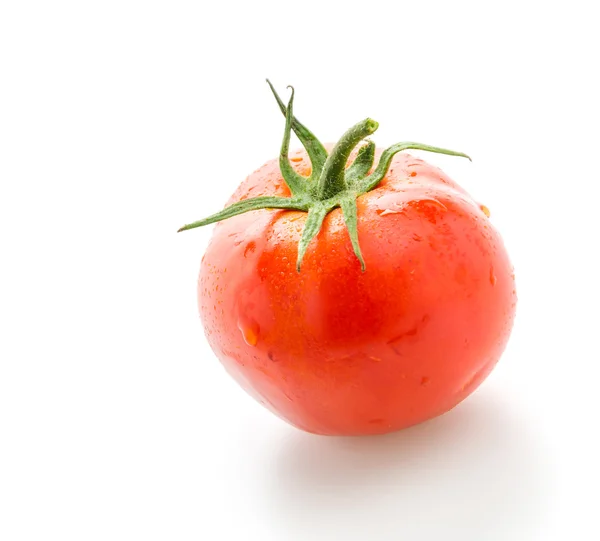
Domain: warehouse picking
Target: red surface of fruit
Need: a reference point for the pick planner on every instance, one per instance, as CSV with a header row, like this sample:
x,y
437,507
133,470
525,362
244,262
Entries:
x,y
334,350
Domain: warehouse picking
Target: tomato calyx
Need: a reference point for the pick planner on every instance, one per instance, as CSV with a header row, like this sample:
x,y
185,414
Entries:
x,y
331,184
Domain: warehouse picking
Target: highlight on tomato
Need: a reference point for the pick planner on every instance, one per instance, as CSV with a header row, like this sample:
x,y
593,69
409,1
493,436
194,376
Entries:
x,y
353,290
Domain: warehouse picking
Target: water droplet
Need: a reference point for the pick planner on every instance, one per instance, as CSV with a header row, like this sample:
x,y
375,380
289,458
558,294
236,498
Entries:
x,y
250,331
251,246
474,380
397,342
385,212
485,210
493,279
435,203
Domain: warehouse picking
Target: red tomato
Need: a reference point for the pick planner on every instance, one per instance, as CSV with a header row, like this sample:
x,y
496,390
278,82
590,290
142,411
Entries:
x,y
335,350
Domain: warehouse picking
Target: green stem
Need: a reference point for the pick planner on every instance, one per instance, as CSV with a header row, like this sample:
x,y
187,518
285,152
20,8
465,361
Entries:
x,y
315,150
370,182
334,185
246,205
362,164
332,179
351,218
315,218
295,182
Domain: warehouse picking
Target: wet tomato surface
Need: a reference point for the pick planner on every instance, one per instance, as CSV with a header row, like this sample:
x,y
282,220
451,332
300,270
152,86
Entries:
x,y
335,350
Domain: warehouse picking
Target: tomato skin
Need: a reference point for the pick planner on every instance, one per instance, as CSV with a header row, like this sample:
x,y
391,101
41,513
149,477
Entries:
x,y
336,351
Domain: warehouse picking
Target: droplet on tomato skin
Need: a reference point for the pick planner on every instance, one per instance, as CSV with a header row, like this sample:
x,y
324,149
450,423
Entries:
x,y
385,212
493,278
473,380
435,202
485,210
296,217
250,331
396,343
250,247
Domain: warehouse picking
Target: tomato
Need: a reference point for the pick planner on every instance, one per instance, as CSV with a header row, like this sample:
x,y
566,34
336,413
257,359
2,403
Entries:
x,y
367,337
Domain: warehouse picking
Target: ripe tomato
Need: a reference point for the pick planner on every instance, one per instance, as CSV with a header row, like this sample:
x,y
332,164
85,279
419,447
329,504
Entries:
x,y
333,349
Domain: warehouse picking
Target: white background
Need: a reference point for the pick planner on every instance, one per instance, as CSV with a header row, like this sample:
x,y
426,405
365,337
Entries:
x,y
122,120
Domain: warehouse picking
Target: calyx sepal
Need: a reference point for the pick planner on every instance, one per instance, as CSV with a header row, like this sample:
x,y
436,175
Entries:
x,y
331,183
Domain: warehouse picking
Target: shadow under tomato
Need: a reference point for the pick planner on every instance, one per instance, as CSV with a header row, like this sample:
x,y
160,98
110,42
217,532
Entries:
x,y
473,474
